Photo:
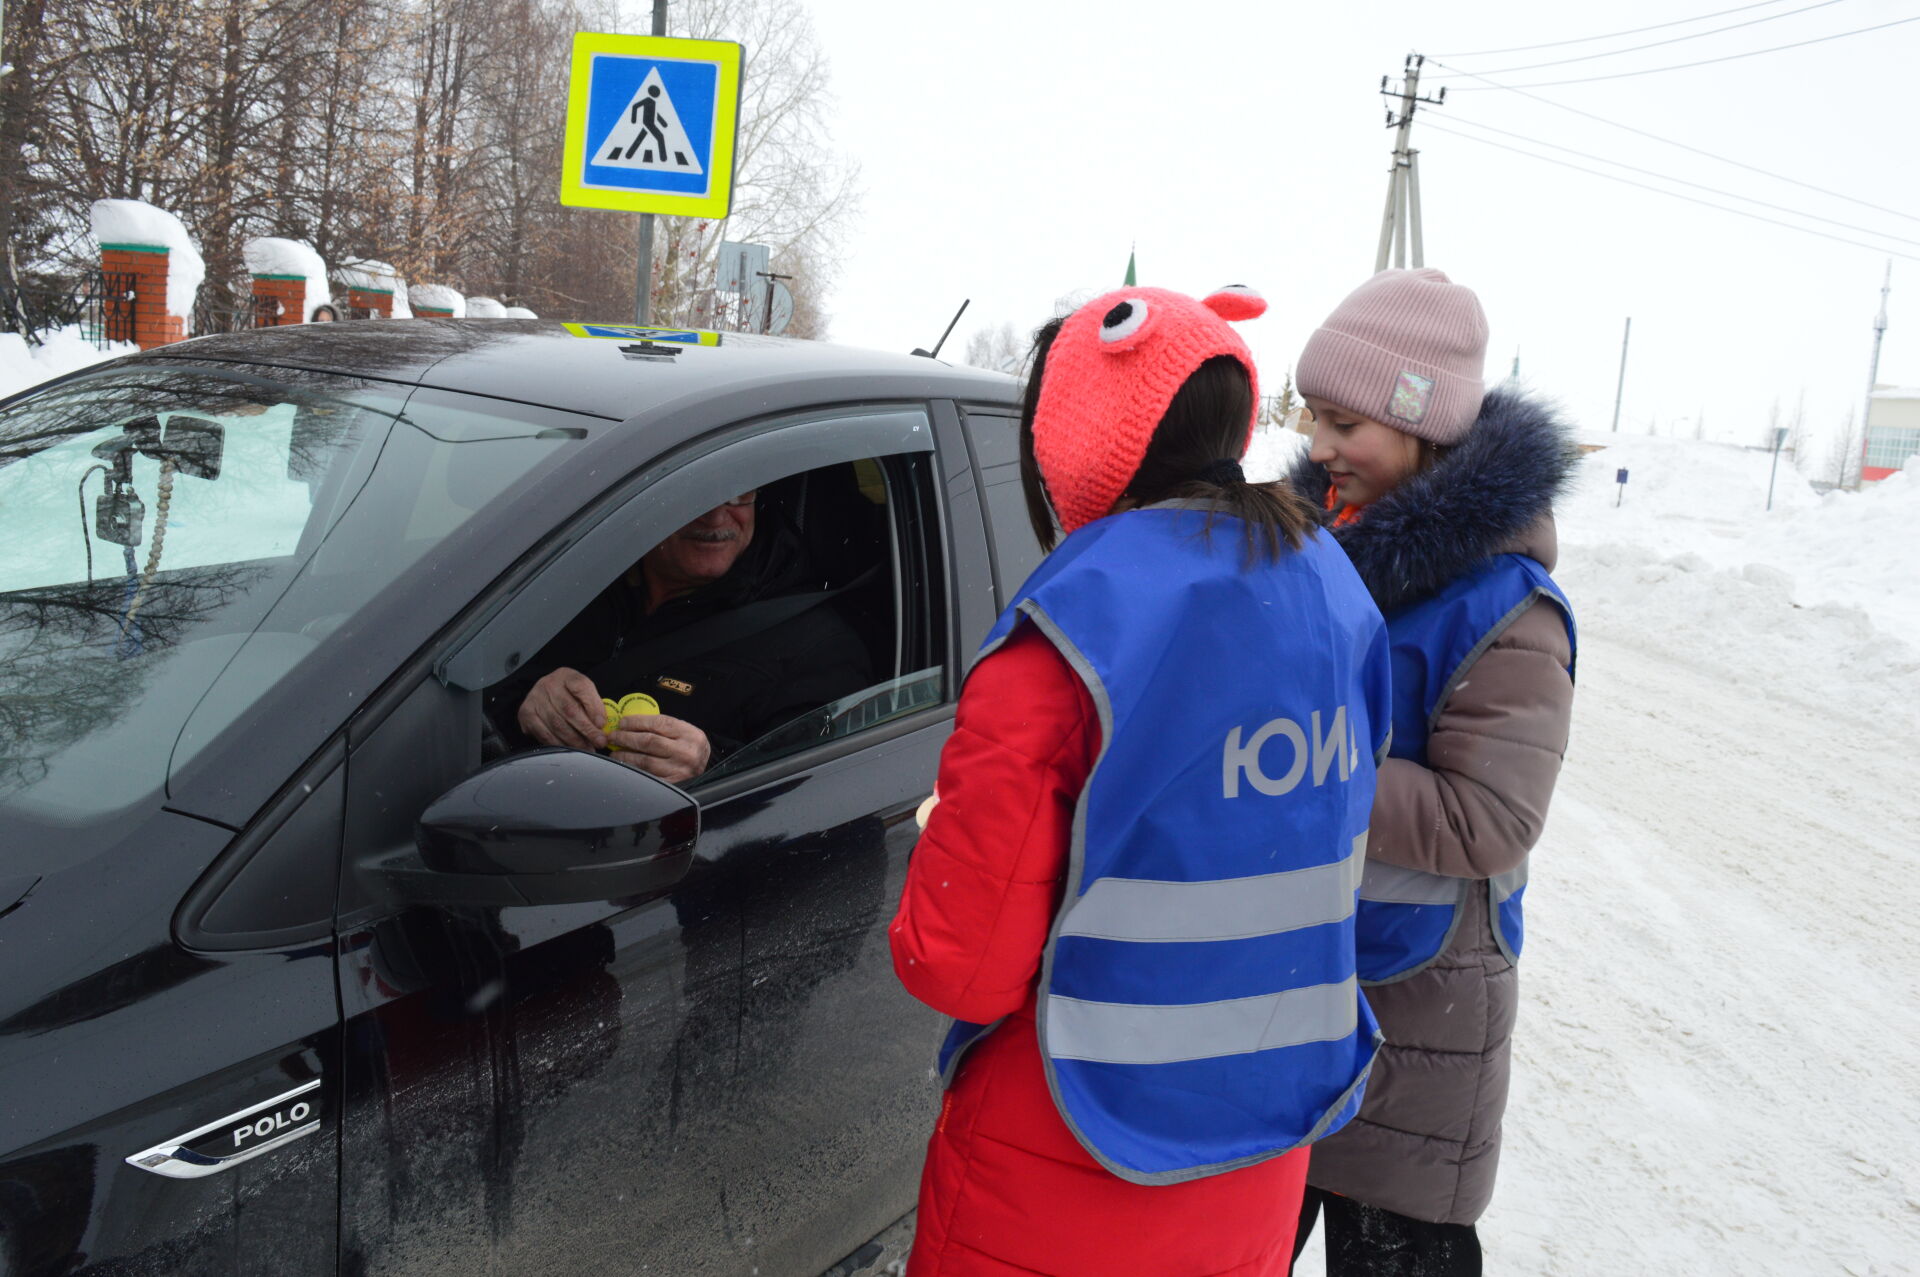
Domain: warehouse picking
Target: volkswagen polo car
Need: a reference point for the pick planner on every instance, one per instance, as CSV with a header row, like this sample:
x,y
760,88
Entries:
x,y
305,966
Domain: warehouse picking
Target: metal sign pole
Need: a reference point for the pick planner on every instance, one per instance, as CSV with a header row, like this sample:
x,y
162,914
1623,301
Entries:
x,y
1779,437
643,283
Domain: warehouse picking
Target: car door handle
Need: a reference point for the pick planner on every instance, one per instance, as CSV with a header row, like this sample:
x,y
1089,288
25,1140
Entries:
x,y
238,1137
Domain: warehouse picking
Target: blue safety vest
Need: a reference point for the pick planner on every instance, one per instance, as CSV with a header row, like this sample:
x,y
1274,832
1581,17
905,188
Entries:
x,y
1199,1009
1407,917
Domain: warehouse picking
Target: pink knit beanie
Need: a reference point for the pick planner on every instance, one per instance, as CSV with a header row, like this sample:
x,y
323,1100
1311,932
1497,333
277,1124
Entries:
x,y
1408,349
1112,371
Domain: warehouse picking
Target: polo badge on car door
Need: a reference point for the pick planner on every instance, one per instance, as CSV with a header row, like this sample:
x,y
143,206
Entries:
x,y
236,1138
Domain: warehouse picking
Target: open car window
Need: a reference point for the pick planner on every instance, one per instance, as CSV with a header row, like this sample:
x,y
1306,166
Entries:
x,y
829,619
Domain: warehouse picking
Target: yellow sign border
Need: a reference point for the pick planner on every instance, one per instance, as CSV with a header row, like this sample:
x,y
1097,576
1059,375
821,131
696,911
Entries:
x,y
704,336
725,54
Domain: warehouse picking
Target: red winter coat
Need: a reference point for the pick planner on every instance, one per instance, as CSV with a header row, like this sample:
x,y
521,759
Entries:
x,y
1007,1190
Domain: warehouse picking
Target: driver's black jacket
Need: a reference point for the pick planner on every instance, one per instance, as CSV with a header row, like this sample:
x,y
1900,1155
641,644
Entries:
x,y
750,681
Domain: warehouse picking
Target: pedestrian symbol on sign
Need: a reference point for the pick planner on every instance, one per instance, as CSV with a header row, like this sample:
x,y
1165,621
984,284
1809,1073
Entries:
x,y
651,124
649,134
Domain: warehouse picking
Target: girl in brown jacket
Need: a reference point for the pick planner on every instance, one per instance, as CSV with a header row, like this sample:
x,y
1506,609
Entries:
x,y
1442,495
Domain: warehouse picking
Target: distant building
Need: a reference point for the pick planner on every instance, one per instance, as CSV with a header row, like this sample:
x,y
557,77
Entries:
x,y
1893,431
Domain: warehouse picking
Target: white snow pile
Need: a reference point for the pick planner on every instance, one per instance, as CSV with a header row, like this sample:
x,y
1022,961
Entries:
x,y
59,353
271,255
357,272
136,222
520,312
1704,505
485,308
1271,452
438,297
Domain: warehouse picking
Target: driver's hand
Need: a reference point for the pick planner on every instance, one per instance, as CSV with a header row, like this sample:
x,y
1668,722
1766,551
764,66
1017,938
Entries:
x,y
564,709
671,748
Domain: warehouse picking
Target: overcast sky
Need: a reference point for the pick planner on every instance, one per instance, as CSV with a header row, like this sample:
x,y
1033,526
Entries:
x,y
1012,152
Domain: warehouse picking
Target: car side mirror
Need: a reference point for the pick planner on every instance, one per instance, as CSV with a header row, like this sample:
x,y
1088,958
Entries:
x,y
554,826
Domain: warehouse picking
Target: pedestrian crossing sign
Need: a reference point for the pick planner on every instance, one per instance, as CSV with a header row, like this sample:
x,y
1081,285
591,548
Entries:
x,y
650,124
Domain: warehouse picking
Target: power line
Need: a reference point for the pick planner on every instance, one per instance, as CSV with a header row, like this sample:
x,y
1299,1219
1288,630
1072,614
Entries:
x,y
1698,186
1778,177
1678,39
1611,35
1683,66
1738,212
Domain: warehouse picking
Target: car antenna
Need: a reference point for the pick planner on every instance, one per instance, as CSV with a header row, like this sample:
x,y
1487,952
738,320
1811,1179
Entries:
x,y
935,352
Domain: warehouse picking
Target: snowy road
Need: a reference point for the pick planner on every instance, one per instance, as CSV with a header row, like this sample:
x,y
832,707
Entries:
x,y
1716,1065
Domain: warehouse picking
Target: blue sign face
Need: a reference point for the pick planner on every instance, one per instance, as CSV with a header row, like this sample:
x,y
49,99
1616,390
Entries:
x,y
634,332
650,125
1621,475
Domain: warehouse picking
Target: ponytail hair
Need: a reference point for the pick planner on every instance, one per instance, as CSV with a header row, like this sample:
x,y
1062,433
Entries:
x,y
1193,456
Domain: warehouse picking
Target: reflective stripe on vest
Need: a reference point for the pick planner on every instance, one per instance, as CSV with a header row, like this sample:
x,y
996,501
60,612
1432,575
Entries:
x,y
1407,918
1199,1008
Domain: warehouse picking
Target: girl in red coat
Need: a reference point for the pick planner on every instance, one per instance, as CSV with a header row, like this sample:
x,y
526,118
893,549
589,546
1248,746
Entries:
x,y
1135,890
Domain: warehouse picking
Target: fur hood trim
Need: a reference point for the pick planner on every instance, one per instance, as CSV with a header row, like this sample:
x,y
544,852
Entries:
x,y
1476,501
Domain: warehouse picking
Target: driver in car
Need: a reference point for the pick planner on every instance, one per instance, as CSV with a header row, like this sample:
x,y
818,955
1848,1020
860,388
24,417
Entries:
x,y
715,625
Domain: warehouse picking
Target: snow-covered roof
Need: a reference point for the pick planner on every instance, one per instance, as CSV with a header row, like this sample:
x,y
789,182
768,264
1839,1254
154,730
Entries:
x,y
1898,392
438,297
270,255
365,272
485,308
137,222
520,312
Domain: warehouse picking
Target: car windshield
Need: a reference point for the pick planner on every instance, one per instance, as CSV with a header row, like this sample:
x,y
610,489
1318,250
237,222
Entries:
x,y
177,540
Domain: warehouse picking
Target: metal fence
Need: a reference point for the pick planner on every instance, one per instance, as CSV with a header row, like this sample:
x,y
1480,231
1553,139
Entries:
x,y
237,312
99,303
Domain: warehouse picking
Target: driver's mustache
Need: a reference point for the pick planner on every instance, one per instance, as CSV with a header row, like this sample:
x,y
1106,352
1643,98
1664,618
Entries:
x,y
711,535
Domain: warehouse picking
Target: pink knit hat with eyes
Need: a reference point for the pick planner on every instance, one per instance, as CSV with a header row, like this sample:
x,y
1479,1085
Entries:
x,y
1110,375
1408,348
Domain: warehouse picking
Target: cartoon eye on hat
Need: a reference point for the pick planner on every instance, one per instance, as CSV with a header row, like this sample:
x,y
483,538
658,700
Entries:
x,y
1124,320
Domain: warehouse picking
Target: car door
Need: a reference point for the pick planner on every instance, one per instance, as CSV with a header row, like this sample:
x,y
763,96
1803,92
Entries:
x,y
594,1086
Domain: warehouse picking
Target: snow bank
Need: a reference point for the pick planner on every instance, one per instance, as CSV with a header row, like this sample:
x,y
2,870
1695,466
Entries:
x,y
520,312
438,297
359,272
135,222
1684,497
485,308
1271,452
62,352
270,255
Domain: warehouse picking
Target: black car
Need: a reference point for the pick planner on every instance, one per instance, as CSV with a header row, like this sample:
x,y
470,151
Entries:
x,y
303,969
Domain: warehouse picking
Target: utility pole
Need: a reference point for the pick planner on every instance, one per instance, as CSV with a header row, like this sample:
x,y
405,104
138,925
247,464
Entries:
x,y
766,316
1402,216
1620,388
1873,378
643,286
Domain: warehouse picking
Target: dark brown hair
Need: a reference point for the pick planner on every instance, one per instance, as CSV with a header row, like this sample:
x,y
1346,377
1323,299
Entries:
x,y
1205,423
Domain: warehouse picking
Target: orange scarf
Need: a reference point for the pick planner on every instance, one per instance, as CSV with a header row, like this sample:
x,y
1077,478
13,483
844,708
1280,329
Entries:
x,y
1346,514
